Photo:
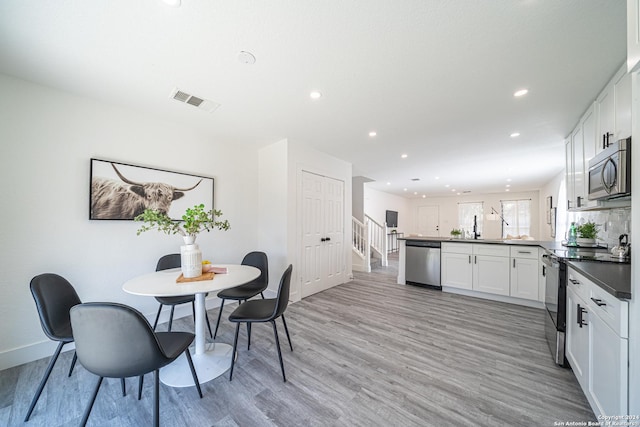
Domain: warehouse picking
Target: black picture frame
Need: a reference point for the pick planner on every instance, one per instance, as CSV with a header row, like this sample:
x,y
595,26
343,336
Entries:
x,y
116,191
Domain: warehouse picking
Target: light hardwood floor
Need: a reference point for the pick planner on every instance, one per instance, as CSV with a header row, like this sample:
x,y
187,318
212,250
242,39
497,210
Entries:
x,y
366,353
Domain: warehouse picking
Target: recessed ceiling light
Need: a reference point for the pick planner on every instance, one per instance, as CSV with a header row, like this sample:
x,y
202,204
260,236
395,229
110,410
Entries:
x,y
404,156
415,193
388,183
508,179
373,133
437,177
453,189
404,189
172,3
424,196
315,95
515,135
521,92
506,189
246,57
508,185
447,185
458,194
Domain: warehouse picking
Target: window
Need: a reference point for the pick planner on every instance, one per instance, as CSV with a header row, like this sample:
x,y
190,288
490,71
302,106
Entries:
x,y
466,212
516,213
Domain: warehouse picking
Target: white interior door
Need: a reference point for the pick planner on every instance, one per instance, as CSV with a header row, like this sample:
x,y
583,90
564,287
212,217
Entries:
x,y
323,262
429,221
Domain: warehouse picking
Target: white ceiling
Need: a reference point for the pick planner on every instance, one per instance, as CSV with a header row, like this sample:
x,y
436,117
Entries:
x,y
434,78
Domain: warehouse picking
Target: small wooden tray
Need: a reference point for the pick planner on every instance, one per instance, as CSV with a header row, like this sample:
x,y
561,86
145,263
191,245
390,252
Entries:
x,y
204,276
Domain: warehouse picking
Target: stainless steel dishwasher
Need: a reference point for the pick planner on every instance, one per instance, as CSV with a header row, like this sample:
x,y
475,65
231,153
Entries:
x,y
423,263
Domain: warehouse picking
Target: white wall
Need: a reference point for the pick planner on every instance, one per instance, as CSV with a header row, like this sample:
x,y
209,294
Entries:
x,y
377,203
47,138
448,212
552,188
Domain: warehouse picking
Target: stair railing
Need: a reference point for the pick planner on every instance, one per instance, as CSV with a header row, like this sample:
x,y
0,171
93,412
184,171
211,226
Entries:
x,y
378,238
360,242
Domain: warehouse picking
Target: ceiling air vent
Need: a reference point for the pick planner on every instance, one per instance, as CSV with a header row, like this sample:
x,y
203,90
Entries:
x,y
415,179
201,103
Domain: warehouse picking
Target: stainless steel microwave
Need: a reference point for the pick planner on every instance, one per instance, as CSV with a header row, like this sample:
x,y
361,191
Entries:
x,y
610,172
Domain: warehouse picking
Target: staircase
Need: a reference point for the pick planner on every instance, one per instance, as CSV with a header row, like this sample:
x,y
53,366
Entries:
x,y
369,244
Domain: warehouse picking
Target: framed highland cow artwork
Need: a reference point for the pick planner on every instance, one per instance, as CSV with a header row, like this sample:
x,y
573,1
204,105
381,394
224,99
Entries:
x,y
122,191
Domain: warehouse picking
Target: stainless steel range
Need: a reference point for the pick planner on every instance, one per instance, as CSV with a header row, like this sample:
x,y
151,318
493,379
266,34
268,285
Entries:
x,y
555,272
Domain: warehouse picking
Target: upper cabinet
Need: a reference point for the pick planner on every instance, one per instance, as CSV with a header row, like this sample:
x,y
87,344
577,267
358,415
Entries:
x,y
633,35
580,148
607,120
613,107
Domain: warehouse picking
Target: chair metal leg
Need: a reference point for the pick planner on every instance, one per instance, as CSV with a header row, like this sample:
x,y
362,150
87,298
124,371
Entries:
x,y
173,307
52,362
124,389
140,382
275,333
73,363
287,331
219,316
233,355
156,398
87,411
262,295
206,316
193,372
248,335
157,317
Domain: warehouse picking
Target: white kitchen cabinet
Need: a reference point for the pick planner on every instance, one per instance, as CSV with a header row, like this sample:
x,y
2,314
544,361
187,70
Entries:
x,y
524,278
456,270
608,383
577,336
580,148
622,110
542,276
598,351
633,35
491,269
613,108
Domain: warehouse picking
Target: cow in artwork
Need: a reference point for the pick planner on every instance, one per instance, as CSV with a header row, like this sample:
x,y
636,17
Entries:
x,y
112,199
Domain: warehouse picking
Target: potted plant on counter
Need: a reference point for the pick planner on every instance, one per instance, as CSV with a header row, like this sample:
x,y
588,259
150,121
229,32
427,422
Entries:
x,y
587,233
194,221
456,233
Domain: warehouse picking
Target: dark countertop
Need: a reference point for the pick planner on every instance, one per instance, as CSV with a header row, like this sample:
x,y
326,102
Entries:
x,y
613,278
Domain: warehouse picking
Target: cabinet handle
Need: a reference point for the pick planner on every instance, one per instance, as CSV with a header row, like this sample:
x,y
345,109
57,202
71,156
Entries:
x,y
514,263
574,281
322,239
580,320
327,239
568,204
578,201
544,271
524,252
469,259
475,259
604,141
598,302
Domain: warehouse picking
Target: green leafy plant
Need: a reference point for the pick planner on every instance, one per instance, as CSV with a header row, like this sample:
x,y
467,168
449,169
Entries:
x,y
588,230
455,232
194,221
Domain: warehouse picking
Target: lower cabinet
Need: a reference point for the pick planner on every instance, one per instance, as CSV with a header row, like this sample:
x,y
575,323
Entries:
x,y
577,336
456,270
597,344
524,273
491,274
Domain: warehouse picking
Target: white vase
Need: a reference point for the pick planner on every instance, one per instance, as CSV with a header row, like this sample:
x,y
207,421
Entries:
x,y
191,260
189,239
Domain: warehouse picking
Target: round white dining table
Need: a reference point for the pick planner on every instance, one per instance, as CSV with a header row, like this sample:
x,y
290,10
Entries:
x,y
209,359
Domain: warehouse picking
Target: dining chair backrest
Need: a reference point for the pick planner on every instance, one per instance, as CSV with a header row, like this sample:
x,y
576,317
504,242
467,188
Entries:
x,y
169,261
282,298
259,260
115,341
54,297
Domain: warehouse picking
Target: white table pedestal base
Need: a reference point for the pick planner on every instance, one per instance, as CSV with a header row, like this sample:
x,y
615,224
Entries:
x,y
215,361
